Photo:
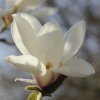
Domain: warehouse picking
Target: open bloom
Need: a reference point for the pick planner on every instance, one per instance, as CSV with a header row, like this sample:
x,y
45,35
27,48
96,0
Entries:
x,y
32,6
8,6
46,53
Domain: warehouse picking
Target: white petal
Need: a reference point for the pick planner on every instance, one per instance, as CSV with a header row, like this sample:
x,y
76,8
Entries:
x,y
26,80
28,63
75,68
47,79
74,40
51,47
49,27
24,35
32,21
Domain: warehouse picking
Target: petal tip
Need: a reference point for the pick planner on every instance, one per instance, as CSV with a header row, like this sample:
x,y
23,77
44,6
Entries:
x,y
16,15
7,58
13,15
83,22
93,71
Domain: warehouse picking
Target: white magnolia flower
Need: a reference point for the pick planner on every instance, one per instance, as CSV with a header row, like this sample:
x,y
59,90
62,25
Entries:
x,y
8,6
46,53
32,6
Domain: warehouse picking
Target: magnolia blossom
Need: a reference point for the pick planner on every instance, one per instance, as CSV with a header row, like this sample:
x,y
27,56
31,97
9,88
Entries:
x,y
32,6
45,51
8,6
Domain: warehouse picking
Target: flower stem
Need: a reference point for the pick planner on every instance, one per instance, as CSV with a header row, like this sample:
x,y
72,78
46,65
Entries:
x,y
52,87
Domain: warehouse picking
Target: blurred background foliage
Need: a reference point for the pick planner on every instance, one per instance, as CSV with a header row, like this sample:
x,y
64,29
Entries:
x,y
70,12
